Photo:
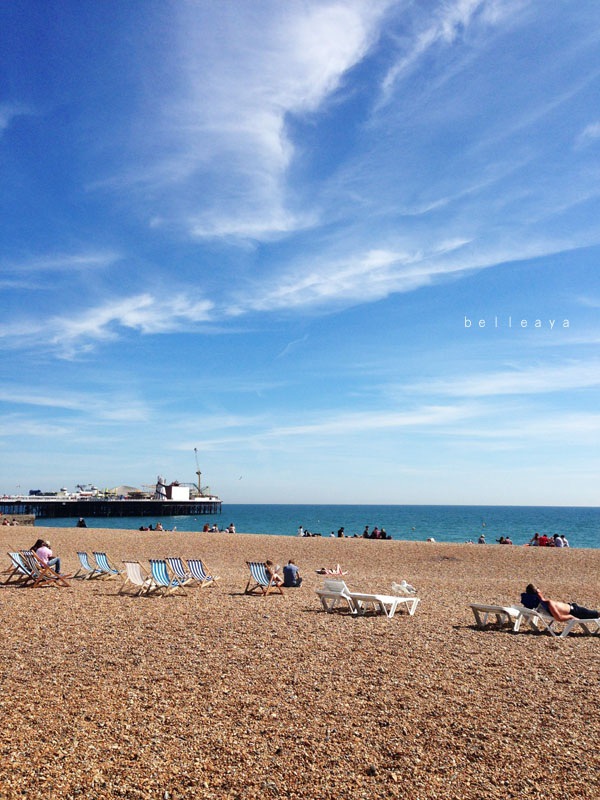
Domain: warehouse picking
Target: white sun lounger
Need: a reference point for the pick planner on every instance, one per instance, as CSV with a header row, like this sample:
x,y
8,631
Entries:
x,y
334,592
541,621
503,614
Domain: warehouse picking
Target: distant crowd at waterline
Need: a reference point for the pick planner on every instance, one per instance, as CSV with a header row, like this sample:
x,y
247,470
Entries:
x,y
537,540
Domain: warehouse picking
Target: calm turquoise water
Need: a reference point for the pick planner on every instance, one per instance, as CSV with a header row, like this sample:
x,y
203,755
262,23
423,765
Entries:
x,y
581,526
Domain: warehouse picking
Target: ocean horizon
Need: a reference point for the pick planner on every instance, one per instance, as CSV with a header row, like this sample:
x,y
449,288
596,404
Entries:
x,y
443,523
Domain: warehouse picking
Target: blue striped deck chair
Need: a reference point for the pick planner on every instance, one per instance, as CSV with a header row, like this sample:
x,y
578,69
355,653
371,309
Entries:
x,y
200,573
42,574
260,580
85,570
163,580
19,573
178,567
103,567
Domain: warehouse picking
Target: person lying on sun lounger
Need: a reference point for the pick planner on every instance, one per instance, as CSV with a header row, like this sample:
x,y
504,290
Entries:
x,y
532,598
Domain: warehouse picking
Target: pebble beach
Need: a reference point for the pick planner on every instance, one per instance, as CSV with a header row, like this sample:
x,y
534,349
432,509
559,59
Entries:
x,y
218,694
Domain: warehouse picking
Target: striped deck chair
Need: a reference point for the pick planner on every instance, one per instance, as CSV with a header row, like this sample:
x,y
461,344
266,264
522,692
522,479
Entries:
x,y
169,583
103,567
200,573
85,570
19,573
136,577
42,574
260,580
178,567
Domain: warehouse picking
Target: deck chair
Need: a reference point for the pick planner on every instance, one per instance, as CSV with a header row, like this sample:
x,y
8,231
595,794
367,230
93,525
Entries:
x,y
136,577
504,615
104,567
200,573
260,580
85,571
19,573
42,574
179,568
163,579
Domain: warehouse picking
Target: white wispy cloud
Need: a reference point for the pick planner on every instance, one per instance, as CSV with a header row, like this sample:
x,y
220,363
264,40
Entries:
x,y
519,381
227,116
114,406
589,134
443,27
366,277
77,332
9,112
61,262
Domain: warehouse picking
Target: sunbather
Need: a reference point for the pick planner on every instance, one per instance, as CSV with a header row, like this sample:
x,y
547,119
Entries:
x,y
532,598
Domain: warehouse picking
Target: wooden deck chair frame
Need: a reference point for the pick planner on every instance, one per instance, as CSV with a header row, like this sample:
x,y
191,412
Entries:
x,y
165,581
42,574
260,581
137,577
200,573
105,569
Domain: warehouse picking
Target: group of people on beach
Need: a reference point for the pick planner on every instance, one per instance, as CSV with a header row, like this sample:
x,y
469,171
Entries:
x,y
291,574
376,533
558,540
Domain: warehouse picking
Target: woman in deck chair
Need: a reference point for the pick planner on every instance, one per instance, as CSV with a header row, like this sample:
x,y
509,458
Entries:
x,y
532,598
273,574
45,555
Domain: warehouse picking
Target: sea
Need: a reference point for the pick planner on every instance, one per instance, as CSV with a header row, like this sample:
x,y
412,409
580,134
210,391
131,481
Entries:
x,y
581,526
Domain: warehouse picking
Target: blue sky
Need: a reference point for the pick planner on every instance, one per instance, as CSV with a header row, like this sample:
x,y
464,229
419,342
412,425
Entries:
x,y
262,229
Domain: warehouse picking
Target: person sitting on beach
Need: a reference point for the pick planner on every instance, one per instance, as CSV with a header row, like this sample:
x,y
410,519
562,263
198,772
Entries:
x,y
558,542
158,527
565,541
481,539
81,523
45,555
291,575
366,532
532,598
273,574
535,540
341,533
543,540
